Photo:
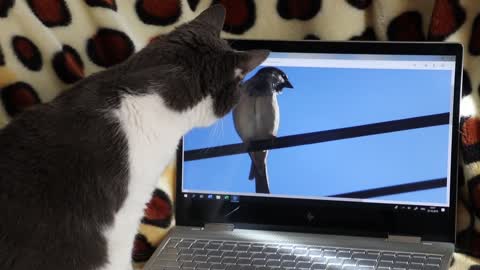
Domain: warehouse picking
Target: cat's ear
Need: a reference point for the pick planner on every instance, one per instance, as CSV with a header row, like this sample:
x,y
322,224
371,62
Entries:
x,y
249,60
213,16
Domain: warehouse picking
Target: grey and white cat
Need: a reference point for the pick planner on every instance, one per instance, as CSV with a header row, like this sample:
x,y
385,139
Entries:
x,y
75,173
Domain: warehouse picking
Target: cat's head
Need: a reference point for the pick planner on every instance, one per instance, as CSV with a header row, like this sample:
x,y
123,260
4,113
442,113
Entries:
x,y
211,71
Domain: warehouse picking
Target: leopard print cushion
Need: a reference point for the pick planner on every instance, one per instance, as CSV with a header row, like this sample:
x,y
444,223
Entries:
x,y
47,45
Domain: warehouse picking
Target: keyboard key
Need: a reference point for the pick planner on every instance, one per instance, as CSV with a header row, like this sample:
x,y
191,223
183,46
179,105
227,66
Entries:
x,y
212,246
201,252
364,256
300,251
417,260
241,248
184,244
366,263
215,253
319,260
185,258
243,261
344,255
234,267
189,265
350,267
373,252
334,261
383,268
230,254
330,254
291,258
255,249
415,267
274,257
402,259
219,267
387,258
248,267
200,258
258,245
288,265
385,264
315,253
431,267
304,265
334,267
285,251
273,263
227,247
199,245
259,262
270,250
433,261
400,265
244,255
303,259
204,266
214,260
319,266
229,261
259,256
350,262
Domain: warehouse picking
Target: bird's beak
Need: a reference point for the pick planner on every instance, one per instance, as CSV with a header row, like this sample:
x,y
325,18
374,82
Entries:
x,y
288,84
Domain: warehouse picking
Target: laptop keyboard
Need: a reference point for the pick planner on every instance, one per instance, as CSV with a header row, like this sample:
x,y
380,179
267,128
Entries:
x,y
190,254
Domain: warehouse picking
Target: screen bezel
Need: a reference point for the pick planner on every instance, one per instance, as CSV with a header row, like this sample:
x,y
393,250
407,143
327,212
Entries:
x,y
335,217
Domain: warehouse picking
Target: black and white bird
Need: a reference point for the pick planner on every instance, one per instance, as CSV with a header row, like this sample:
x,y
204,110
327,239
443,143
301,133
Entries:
x,y
257,117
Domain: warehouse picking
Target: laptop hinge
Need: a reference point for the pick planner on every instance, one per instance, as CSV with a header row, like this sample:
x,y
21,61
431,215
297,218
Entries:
x,y
219,227
404,239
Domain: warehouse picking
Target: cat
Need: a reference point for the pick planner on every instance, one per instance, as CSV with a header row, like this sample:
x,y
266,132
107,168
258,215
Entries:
x,y
75,173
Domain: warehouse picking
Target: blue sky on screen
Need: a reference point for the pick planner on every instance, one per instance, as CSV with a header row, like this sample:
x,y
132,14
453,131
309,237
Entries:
x,y
331,98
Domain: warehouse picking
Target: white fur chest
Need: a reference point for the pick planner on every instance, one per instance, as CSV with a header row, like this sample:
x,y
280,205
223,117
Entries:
x,y
152,131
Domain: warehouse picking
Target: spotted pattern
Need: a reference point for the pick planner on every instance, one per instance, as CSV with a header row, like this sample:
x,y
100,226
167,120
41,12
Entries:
x,y
68,65
27,52
447,17
406,27
18,97
51,12
368,34
158,12
311,37
159,210
298,9
360,4
474,45
109,47
111,4
193,4
2,58
5,6
240,15
142,249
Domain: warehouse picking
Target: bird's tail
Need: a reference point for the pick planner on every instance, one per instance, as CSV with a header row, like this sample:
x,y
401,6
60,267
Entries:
x,y
258,170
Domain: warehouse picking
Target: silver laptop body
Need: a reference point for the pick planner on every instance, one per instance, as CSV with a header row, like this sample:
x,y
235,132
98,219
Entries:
x,y
361,175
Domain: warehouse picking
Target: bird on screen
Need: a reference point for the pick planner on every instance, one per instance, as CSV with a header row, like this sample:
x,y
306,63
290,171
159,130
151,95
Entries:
x,y
257,117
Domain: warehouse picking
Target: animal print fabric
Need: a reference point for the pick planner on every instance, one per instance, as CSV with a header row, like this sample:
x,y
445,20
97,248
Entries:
x,y
47,45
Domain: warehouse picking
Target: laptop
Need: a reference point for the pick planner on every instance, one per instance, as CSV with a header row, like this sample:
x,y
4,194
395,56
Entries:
x,y
361,172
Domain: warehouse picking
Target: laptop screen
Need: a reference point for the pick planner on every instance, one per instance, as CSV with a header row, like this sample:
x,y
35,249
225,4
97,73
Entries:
x,y
334,127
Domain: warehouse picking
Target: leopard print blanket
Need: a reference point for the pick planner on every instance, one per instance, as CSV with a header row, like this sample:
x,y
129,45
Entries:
x,y
47,45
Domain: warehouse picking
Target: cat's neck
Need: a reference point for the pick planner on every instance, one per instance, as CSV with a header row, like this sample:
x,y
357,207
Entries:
x,y
153,131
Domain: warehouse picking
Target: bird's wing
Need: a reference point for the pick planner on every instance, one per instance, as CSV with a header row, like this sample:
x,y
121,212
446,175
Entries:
x,y
267,117
244,117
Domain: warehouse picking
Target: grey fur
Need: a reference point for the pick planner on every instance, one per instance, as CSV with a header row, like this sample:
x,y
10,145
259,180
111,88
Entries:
x,y
64,165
